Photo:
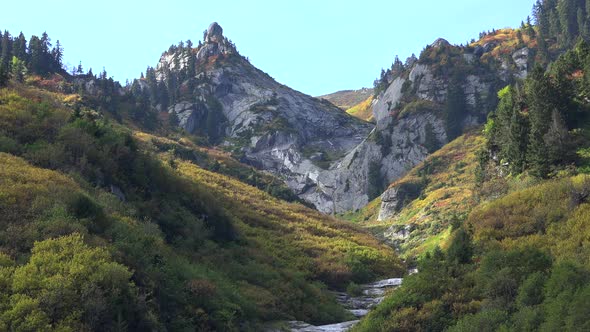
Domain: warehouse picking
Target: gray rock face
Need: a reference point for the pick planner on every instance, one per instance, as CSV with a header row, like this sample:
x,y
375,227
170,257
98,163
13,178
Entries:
x,y
323,154
390,204
214,33
521,59
429,87
389,100
189,115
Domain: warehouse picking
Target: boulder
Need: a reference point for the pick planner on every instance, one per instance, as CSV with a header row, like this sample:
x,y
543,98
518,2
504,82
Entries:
x,y
391,204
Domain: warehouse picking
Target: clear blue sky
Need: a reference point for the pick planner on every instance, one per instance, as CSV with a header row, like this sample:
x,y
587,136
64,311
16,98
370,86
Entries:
x,y
315,46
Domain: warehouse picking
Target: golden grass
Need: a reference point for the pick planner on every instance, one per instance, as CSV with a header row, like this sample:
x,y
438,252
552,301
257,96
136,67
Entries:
x,y
363,110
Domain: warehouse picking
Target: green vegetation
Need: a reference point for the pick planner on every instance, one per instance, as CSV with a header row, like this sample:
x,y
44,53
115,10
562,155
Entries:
x,y
362,110
440,192
518,263
518,258
126,230
348,98
541,127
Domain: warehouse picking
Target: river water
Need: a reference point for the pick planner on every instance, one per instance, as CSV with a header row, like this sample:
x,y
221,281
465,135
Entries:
x,y
360,306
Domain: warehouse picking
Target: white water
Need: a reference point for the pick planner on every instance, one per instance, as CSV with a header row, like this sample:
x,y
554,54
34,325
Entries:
x,y
358,306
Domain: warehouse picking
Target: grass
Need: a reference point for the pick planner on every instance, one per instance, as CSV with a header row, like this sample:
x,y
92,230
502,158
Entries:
x,y
363,110
447,196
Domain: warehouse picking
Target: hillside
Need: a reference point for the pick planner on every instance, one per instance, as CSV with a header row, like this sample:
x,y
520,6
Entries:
x,y
363,110
145,220
512,252
418,212
348,98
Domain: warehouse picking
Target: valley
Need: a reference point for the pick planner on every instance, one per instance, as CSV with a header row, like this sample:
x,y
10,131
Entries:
x,y
453,195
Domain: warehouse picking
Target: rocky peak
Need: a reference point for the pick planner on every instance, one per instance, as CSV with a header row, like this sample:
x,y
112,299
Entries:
x,y
214,33
215,43
440,42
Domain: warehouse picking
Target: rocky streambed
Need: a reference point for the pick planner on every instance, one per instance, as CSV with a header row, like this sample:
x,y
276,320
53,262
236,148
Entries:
x,y
359,306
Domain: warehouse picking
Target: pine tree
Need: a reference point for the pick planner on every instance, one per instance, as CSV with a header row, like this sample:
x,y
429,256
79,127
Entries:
x,y
35,55
567,14
18,69
461,248
519,37
57,55
3,75
557,139
6,45
397,67
516,151
502,120
19,47
539,94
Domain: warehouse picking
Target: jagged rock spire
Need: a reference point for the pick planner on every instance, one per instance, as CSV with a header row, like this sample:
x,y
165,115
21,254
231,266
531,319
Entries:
x,y
215,43
214,33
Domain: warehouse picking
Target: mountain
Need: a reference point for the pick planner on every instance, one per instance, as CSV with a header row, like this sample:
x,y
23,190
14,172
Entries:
x,y
329,159
265,124
348,98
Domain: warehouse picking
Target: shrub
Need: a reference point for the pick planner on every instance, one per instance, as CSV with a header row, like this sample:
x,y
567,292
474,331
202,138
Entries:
x,y
354,289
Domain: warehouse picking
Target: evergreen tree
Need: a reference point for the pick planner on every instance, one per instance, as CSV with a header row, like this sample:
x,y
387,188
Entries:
x,y
539,99
19,47
3,75
35,55
529,29
461,248
557,139
516,151
397,67
502,118
57,55
18,69
6,45
567,14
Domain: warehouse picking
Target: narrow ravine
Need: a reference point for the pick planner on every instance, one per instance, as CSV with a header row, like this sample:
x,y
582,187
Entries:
x,y
360,306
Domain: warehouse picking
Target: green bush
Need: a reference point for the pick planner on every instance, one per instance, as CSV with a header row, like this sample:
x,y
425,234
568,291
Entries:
x,y
354,289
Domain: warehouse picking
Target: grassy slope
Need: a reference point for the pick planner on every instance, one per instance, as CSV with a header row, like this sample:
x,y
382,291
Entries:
x,y
506,41
362,110
348,98
547,216
447,180
277,256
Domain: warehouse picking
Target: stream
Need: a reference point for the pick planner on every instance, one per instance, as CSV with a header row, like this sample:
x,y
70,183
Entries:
x,y
359,306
